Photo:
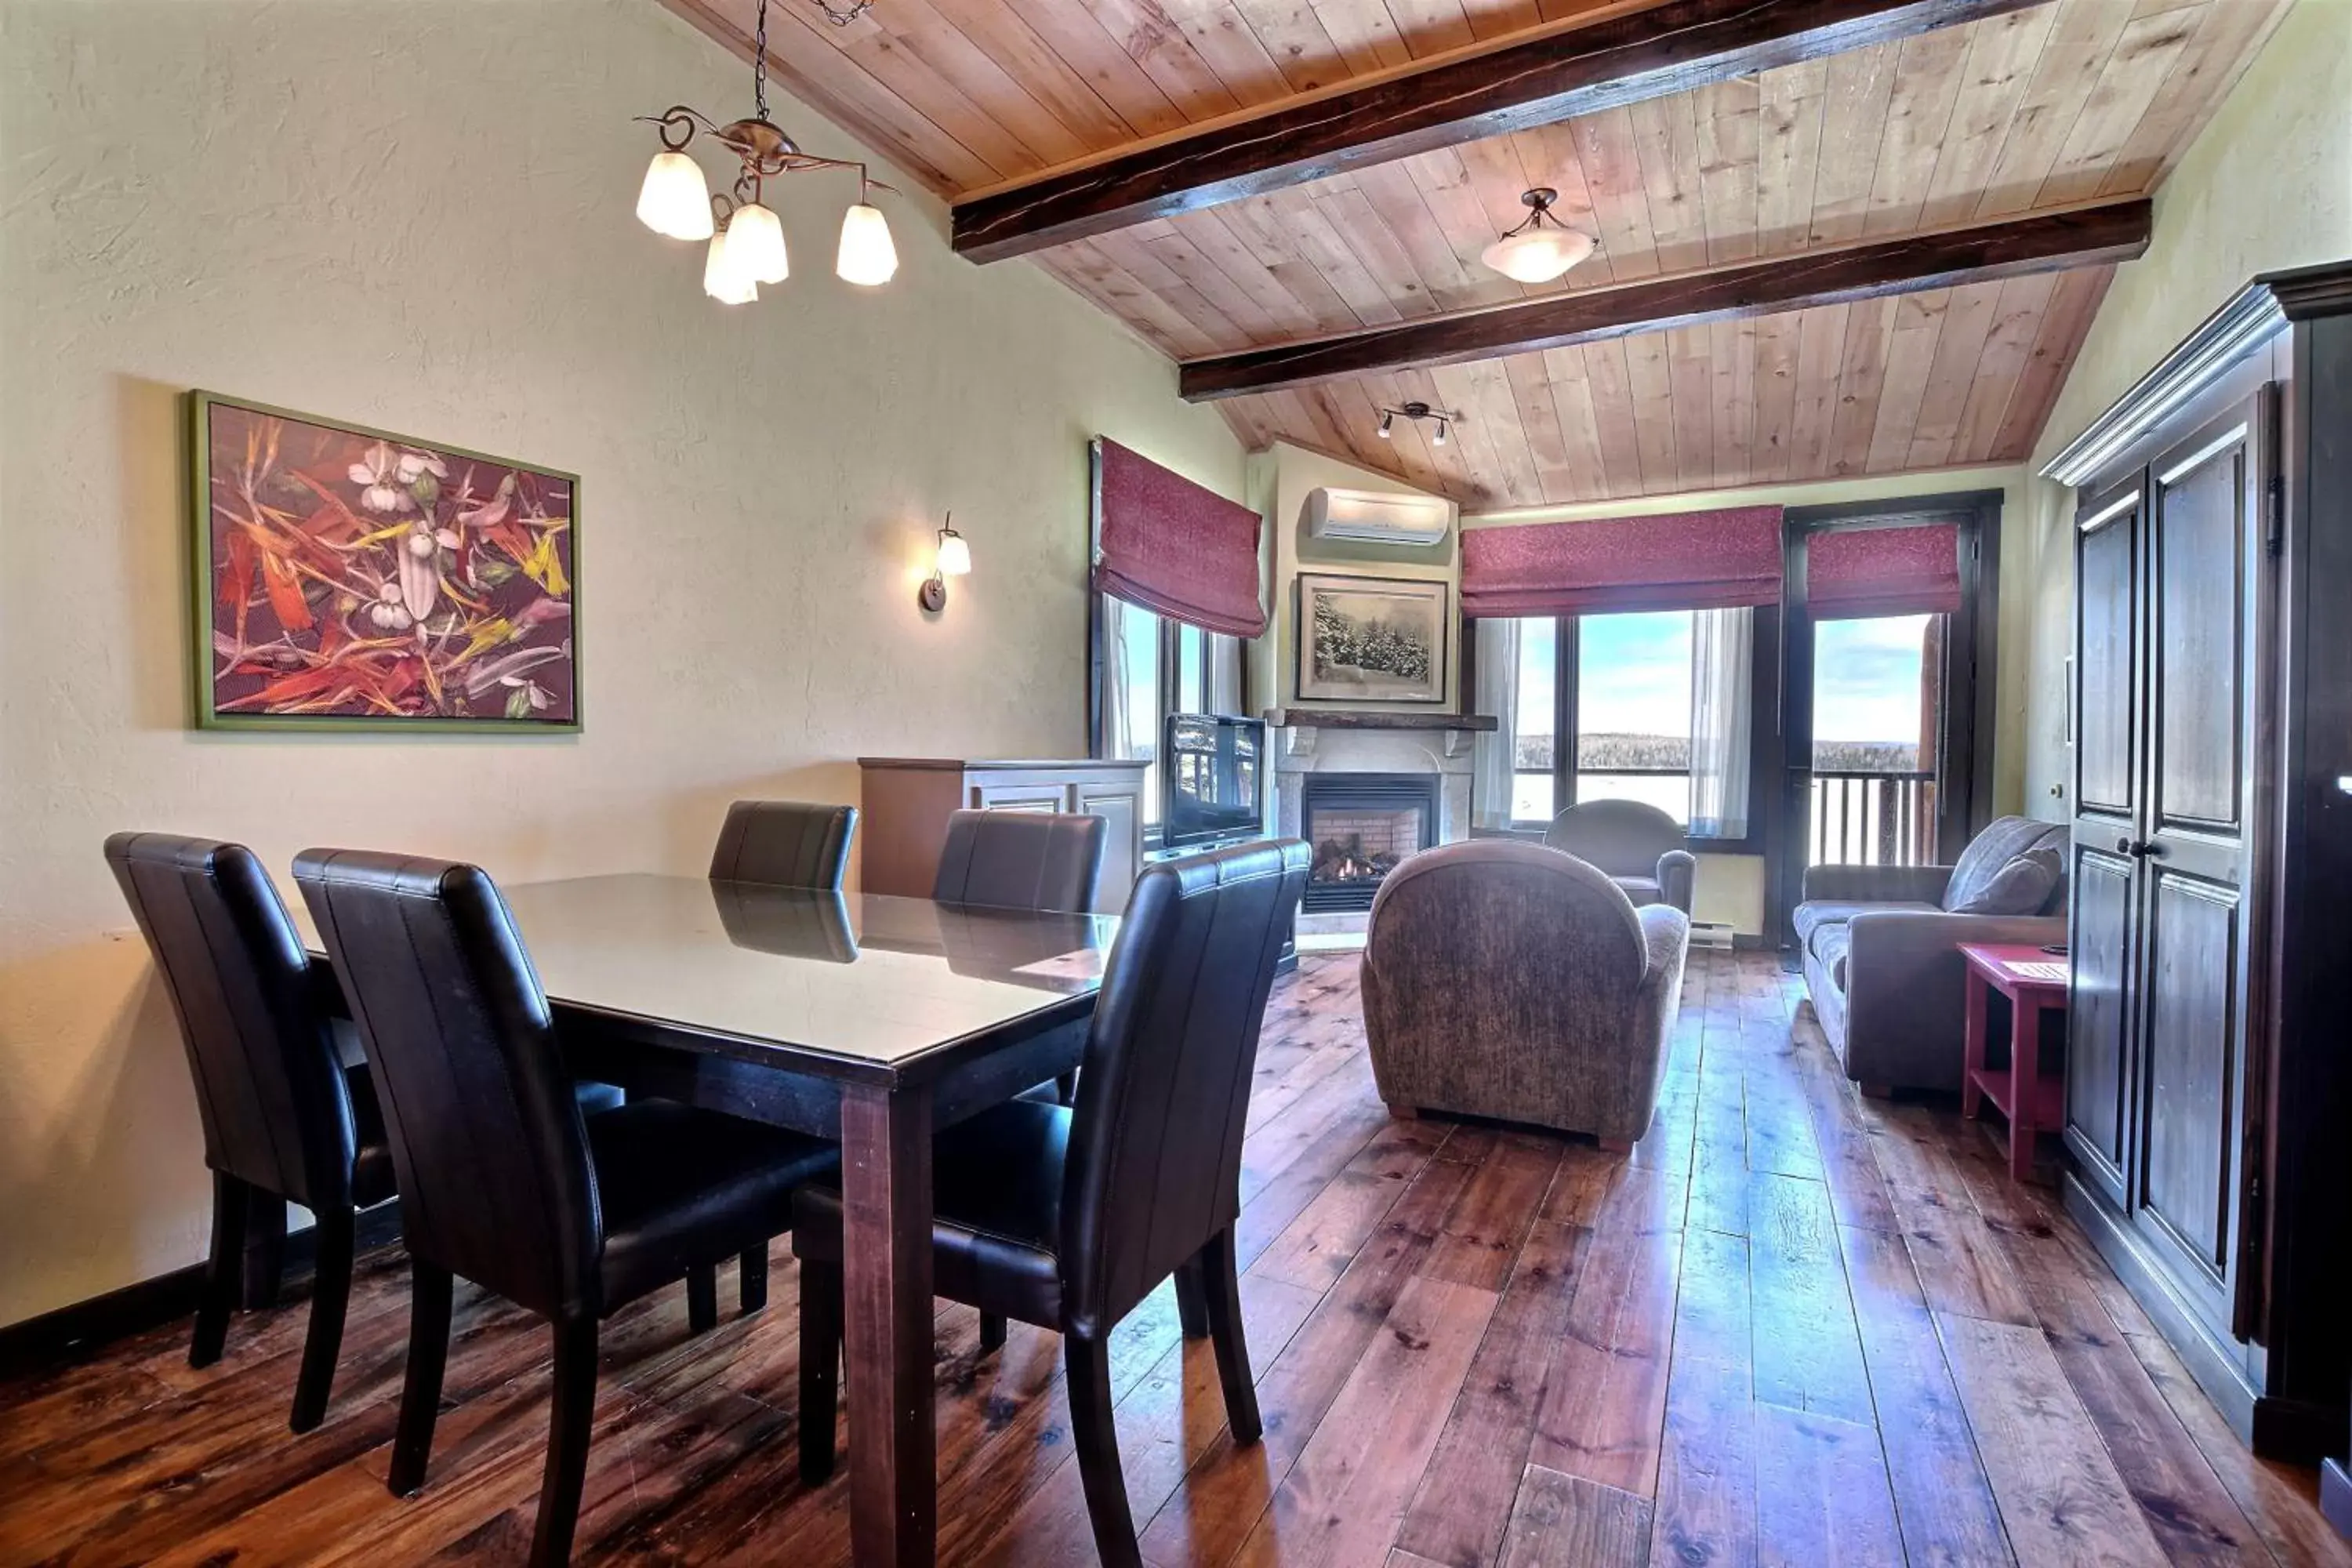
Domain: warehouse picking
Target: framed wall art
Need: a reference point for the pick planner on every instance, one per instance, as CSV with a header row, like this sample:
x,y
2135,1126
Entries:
x,y
1371,639
348,577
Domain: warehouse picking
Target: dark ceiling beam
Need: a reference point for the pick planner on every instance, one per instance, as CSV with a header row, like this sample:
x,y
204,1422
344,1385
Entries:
x,y
1666,48
2013,247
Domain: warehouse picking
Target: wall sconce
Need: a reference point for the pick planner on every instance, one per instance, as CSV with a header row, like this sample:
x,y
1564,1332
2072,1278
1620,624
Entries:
x,y
954,560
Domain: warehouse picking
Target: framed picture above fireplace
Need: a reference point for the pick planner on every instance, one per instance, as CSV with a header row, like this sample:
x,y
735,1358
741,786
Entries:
x,y
1371,639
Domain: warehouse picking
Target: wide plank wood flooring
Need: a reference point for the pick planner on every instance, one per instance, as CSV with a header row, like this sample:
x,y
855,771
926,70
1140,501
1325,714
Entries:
x,y
1795,1327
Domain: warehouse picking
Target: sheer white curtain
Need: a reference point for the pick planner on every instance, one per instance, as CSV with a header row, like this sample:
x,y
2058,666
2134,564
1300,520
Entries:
x,y
1721,684
1130,724
1224,695
1493,757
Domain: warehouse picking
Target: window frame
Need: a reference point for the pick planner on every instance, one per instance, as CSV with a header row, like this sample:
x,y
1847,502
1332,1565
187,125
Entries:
x,y
1763,727
1168,683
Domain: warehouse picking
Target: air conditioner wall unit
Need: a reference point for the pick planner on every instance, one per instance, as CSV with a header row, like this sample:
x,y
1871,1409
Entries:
x,y
1373,517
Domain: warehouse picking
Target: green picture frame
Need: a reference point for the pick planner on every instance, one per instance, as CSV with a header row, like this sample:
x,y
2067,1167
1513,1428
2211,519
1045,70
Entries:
x,y
343,577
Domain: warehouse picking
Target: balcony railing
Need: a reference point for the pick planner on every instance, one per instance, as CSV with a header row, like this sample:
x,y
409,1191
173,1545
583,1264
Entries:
x,y
1872,819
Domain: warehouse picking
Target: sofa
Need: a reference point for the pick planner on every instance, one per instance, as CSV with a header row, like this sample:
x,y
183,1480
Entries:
x,y
1881,947
1638,846
1507,980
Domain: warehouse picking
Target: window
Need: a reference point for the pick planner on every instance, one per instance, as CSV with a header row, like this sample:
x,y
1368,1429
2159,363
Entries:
x,y
1148,666
1657,702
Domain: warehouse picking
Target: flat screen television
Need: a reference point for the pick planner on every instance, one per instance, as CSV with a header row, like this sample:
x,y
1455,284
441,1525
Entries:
x,y
1210,778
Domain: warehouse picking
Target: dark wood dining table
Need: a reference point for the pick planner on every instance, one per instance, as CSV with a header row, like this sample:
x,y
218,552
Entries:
x,y
872,1020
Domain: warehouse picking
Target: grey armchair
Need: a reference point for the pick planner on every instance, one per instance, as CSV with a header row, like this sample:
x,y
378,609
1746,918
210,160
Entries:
x,y
1507,980
1637,846
1882,953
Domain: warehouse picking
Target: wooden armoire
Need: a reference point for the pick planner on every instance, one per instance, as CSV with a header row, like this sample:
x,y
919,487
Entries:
x,y
2208,1062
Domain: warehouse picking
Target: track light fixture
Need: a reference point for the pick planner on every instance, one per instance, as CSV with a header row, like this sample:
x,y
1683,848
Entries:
x,y
1418,411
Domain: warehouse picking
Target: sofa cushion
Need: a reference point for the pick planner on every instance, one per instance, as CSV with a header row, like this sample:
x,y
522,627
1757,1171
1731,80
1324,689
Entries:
x,y
2002,841
1641,890
1830,945
2021,887
1812,917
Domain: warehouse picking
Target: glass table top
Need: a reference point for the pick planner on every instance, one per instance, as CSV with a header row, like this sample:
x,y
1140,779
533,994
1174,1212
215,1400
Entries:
x,y
856,976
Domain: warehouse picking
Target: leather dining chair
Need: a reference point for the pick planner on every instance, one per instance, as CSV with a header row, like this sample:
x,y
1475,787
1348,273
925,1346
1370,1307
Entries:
x,y
1020,861
502,1180
284,1120
1067,1217
784,844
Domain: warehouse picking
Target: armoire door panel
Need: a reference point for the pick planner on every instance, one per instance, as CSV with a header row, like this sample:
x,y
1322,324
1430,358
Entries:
x,y
2188,1161
2099,1013
2197,636
2105,656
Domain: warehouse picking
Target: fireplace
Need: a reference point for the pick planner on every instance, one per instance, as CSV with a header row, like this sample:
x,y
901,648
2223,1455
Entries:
x,y
1359,828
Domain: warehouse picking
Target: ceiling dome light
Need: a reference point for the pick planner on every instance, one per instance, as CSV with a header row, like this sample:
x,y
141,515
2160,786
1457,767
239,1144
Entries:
x,y
675,200
866,257
1542,249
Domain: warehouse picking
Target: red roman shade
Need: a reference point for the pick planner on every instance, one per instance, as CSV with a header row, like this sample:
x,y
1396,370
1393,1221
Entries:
x,y
1172,547
1855,571
1676,561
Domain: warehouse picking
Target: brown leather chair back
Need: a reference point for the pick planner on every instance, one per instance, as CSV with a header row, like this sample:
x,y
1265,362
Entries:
x,y
270,1084
784,844
495,1179
1020,861
1624,837
1154,1166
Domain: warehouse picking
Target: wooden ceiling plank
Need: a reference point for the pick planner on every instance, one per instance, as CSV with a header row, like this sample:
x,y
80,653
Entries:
x,y
2003,52
1967,322
1789,105
1495,19
2048,242
1611,378
1854,125
1262,223
1649,370
1206,278
1580,431
1153,41
1491,390
1862,378
1821,355
1666,139
1000,30
1733,345
1528,390
2144,58
1920,114
1450,191
1498,178
937,41
2082,36
1131,251
1148,309
1071,30
2017,321
1776,397
886,58
1294,34
1365,35
1391,191
1669,49
1920,323
1729,131
1223,37
1353,217
1452,460
1208,233
1321,244
1690,368
1610,155
2064,322
1432,27
2227,43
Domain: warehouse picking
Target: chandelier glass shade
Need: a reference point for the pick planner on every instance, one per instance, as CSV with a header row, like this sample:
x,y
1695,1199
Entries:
x,y
1542,247
721,279
866,256
675,200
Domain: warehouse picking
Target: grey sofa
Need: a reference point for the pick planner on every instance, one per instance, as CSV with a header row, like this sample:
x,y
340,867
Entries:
x,y
1637,846
1507,980
1882,954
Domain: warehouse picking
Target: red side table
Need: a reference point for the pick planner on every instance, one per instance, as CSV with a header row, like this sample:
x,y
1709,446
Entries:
x,y
2034,982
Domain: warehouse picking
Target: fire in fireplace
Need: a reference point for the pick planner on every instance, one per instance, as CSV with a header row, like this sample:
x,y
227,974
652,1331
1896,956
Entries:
x,y
1361,826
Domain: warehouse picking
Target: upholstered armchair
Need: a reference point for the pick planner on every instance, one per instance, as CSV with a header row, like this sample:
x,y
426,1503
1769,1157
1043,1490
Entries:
x,y
1507,980
1638,846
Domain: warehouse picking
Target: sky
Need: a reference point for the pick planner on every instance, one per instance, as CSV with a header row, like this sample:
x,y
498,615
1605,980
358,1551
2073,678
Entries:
x,y
1637,676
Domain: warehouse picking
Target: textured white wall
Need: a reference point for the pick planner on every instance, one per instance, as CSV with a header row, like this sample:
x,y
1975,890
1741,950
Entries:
x,y
418,215
2268,184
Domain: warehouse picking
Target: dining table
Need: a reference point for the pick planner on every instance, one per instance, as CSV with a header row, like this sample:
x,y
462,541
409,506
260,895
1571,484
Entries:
x,y
872,1020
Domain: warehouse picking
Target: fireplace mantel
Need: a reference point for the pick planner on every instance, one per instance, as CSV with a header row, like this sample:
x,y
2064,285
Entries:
x,y
1358,719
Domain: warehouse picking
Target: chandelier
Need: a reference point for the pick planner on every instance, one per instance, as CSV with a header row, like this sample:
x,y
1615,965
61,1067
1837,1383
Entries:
x,y
747,242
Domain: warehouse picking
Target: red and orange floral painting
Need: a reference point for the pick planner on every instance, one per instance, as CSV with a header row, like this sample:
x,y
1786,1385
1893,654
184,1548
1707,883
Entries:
x,y
351,578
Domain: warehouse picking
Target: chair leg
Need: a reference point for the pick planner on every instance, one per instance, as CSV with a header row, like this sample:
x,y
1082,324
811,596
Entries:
x,y
701,1299
821,1308
224,1271
992,1332
572,1416
429,1293
331,1296
753,1286
1222,1281
1191,1310
1096,1438
265,1247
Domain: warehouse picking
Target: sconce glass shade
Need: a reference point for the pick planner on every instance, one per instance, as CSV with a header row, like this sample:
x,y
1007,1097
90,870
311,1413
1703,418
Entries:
x,y
719,279
755,245
1537,254
675,200
867,256
955,555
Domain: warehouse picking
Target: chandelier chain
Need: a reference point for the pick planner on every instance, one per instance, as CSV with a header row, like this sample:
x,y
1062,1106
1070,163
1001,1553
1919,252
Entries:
x,y
842,18
759,64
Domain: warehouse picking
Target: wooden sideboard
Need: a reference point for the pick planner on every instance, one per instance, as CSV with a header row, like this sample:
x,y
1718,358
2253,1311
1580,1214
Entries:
x,y
908,799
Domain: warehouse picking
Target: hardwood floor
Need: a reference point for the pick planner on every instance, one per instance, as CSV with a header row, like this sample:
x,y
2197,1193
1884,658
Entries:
x,y
1795,1327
